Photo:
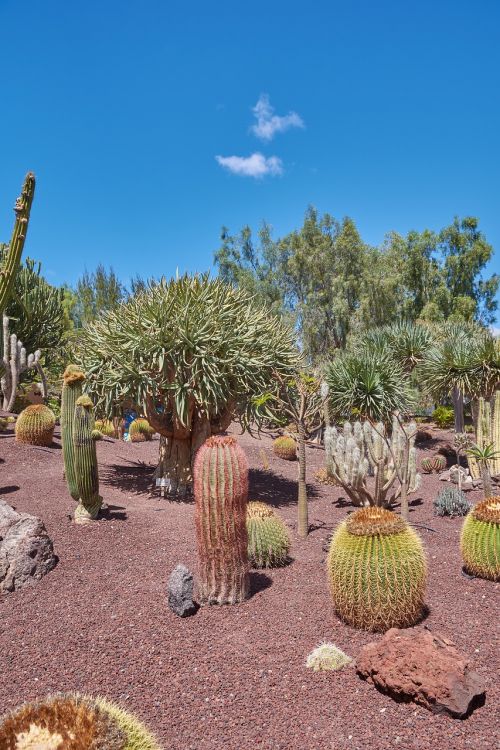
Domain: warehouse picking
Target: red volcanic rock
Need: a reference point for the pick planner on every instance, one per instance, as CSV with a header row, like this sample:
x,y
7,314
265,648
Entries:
x,y
417,665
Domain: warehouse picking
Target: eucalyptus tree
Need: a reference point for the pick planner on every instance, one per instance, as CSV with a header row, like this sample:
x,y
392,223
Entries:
x,y
193,351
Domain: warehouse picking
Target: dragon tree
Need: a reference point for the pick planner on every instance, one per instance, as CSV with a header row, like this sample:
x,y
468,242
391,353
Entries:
x,y
194,352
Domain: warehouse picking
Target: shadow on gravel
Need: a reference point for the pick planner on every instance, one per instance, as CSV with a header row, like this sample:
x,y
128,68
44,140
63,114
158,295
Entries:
x,y
137,477
274,489
9,488
259,582
113,513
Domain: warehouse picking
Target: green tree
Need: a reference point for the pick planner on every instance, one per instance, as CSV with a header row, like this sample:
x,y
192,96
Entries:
x,y
96,293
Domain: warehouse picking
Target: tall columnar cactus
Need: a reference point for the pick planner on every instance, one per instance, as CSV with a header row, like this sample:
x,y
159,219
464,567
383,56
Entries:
x,y
69,721
377,571
365,451
268,537
87,475
73,379
486,416
35,425
10,266
480,540
15,361
221,490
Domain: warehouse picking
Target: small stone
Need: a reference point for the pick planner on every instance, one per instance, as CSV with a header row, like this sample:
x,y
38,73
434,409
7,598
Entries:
x,y
445,476
180,592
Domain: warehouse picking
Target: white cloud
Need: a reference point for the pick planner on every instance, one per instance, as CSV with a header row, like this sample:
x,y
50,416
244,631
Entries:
x,y
495,330
255,165
268,123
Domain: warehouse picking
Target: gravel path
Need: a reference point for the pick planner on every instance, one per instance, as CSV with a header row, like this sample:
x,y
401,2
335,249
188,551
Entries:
x,y
231,677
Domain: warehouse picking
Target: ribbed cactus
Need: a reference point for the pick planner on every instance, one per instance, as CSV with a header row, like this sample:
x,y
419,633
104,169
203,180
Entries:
x,y
221,489
71,391
16,361
377,571
433,463
140,430
285,447
480,540
86,472
105,427
367,462
10,266
268,538
486,415
35,425
72,722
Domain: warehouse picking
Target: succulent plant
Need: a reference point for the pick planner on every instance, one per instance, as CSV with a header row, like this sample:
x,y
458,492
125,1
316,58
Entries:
x,y
35,425
268,538
451,502
221,490
323,477
69,721
285,447
86,471
140,430
327,657
377,571
105,427
73,379
480,540
435,463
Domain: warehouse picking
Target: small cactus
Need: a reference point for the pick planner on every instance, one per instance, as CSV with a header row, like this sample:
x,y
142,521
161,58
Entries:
x,y
140,430
377,571
285,447
87,476
323,477
35,425
73,379
105,427
435,463
73,722
220,490
480,540
268,538
327,657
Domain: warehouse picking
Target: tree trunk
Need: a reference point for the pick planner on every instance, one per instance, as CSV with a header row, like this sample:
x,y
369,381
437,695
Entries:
x,y
173,474
303,517
458,407
486,477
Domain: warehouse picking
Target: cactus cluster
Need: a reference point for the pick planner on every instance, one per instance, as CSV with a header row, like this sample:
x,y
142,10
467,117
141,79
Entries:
x,y
140,430
285,447
35,425
435,463
451,502
362,451
105,427
221,489
16,361
377,571
486,416
480,540
327,657
268,538
69,721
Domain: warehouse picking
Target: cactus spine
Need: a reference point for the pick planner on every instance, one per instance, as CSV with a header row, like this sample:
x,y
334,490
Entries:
x,y
221,490
486,416
433,463
71,391
140,430
480,540
87,476
377,571
285,447
35,425
268,538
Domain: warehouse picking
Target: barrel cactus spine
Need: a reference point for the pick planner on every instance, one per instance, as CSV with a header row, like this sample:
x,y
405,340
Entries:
x,y
35,425
140,430
72,721
480,540
268,537
86,471
220,489
377,571
435,463
73,380
105,427
285,447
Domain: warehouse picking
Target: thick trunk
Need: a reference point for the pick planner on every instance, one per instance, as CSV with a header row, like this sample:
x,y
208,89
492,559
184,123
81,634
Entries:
x,y
303,517
405,511
458,407
486,477
173,473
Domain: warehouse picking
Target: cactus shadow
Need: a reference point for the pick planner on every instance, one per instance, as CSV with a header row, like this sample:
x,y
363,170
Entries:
x,y
274,489
113,513
135,477
259,582
9,488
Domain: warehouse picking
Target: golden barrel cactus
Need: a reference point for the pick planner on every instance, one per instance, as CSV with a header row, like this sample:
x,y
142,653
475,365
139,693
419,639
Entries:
x,y
480,540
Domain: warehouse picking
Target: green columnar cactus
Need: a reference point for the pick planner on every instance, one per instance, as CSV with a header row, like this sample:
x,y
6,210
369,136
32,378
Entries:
x,y
285,447
71,391
377,571
487,423
87,475
268,538
35,425
220,491
480,540
105,427
73,722
140,430
10,267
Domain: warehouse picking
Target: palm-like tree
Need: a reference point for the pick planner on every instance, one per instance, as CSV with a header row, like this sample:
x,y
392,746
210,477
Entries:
x,y
404,341
484,455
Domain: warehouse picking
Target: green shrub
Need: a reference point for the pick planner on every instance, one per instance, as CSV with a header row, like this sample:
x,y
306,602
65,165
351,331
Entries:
x,y
443,416
451,502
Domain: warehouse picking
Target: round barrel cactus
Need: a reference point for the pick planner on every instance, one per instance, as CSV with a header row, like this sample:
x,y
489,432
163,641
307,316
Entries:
x,y
377,571
35,425
480,540
268,538
105,427
72,722
433,463
140,430
285,447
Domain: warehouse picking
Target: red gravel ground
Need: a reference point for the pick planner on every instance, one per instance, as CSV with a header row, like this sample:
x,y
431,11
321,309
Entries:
x,y
231,677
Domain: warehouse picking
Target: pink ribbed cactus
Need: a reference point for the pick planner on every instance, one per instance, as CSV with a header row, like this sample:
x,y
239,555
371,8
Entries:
x,y
221,490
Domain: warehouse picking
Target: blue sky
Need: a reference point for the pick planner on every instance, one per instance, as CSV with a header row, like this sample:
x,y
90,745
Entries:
x,y
121,108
